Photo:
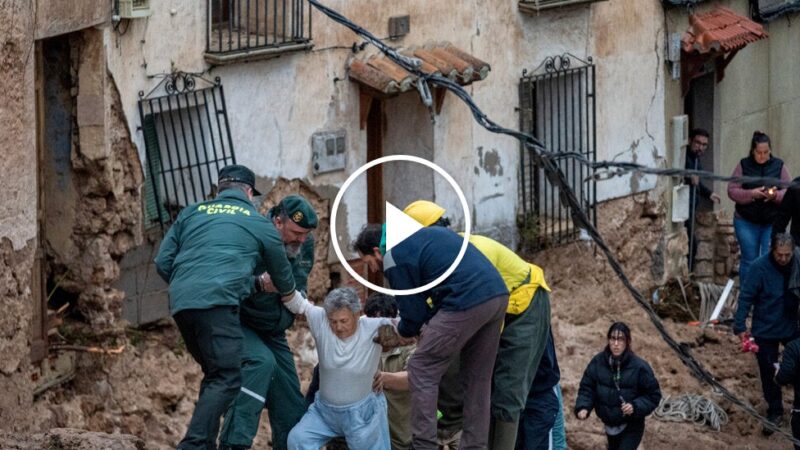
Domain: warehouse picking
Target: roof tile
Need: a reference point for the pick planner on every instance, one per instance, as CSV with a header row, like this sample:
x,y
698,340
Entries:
x,y
383,75
720,30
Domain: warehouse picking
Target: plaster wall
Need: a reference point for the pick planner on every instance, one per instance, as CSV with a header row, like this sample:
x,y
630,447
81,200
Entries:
x,y
18,205
408,131
275,106
60,17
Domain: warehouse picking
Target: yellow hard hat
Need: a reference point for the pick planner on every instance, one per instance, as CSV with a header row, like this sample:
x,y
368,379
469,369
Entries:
x,y
424,212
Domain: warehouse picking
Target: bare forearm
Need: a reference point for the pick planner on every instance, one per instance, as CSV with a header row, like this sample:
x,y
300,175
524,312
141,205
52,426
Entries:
x,y
395,381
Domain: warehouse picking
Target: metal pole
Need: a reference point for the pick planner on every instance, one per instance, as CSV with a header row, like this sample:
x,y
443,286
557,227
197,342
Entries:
x,y
693,220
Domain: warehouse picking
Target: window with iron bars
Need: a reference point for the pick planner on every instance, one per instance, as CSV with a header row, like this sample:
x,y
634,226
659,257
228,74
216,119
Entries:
x,y
187,140
557,106
246,29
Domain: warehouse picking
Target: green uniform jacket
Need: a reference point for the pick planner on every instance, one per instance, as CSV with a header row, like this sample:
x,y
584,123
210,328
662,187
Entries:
x,y
264,312
209,255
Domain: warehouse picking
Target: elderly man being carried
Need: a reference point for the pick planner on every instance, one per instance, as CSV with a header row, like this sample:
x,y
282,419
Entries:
x,y
348,360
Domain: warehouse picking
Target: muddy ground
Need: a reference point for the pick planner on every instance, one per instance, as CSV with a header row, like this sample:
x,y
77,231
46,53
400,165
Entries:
x,y
149,390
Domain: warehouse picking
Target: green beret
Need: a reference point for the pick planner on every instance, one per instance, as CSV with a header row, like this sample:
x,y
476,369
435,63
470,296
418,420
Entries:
x,y
299,211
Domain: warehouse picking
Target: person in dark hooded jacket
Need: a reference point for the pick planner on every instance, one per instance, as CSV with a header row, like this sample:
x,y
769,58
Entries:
x,y
621,388
789,212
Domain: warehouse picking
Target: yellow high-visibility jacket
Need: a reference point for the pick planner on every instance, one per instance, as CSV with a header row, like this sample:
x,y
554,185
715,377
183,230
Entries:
x,y
521,277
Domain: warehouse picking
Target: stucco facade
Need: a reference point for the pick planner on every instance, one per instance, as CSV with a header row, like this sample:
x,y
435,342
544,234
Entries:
x,y
274,106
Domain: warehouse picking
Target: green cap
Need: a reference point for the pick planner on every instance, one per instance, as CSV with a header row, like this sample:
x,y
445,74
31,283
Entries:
x,y
299,211
239,174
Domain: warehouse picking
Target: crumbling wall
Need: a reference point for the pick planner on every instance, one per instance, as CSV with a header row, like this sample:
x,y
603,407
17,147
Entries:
x,y
17,209
16,388
319,278
107,177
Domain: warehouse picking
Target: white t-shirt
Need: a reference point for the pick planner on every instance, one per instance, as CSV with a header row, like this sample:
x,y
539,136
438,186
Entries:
x,y
346,367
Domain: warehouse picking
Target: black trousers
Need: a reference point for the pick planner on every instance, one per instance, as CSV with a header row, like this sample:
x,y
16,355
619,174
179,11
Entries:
x,y
537,420
629,439
767,356
214,339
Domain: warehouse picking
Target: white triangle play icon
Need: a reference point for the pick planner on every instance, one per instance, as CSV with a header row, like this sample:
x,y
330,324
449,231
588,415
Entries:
x,y
399,226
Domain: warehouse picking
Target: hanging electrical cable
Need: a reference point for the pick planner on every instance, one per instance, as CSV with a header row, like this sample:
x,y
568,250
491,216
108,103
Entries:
x,y
547,160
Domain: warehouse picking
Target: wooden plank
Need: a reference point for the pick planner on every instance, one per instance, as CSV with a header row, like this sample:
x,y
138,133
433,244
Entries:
x,y
375,201
38,325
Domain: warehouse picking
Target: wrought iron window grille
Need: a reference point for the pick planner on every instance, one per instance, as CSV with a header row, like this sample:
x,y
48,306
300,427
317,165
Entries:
x,y
558,106
243,29
187,140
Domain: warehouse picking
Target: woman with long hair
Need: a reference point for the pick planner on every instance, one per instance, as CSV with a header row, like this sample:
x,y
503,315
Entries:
x,y
757,205
621,388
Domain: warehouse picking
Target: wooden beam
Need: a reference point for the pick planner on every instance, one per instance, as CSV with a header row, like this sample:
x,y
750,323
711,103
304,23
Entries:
x,y
364,105
438,99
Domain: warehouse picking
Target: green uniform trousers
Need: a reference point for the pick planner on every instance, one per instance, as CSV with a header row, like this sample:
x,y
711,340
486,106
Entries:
x,y
522,344
269,378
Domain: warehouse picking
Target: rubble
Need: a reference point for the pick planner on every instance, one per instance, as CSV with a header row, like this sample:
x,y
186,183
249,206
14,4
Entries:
x,y
71,439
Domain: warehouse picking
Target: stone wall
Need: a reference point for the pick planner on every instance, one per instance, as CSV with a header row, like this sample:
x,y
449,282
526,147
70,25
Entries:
x,y
717,256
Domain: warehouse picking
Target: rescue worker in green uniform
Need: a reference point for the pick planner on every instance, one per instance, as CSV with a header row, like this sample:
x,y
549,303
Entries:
x,y
269,376
208,257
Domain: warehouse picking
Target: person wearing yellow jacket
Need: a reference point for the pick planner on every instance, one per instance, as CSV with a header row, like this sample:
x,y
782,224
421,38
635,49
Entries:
x,y
521,374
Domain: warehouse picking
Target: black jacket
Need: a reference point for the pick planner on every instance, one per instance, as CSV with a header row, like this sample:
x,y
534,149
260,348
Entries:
x,y
637,385
789,372
693,163
789,211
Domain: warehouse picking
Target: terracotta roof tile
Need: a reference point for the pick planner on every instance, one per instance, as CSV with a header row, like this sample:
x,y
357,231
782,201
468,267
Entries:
x,y
720,30
383,75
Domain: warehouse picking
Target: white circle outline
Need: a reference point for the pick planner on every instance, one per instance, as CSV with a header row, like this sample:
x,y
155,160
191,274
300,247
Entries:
x,y
464,207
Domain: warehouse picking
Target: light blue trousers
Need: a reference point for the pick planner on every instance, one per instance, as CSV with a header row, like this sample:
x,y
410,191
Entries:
x,y
363,424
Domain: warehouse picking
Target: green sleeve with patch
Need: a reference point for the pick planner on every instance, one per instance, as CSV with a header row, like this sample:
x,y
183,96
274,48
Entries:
x,y
302,264
275,260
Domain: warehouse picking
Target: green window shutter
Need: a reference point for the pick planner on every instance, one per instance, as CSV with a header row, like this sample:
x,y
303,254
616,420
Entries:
x,y
154,209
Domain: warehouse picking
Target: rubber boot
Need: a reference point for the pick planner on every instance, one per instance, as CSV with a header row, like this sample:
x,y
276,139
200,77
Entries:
x,y
502,435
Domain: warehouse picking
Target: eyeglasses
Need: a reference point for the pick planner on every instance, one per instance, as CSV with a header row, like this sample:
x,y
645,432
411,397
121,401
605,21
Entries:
x,y
617,339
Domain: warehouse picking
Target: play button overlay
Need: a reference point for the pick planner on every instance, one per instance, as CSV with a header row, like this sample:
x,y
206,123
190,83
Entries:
x,y
400,226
